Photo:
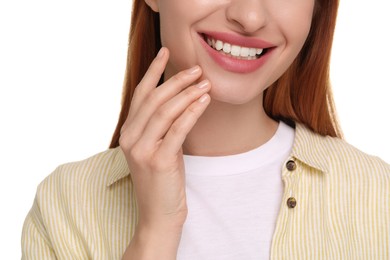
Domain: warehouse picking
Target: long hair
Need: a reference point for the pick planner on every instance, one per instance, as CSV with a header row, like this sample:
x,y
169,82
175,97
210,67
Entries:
x,y
302,94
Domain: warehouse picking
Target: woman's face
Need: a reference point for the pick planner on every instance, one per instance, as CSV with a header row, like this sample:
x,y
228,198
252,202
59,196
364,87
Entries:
x,y
225,38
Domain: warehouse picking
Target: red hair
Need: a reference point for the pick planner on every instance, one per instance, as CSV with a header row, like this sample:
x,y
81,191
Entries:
x,y
302,94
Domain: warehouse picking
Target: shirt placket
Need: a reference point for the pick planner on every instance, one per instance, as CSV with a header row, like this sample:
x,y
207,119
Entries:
x,y
282,244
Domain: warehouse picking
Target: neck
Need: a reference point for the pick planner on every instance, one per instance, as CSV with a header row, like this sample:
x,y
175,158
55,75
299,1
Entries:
x,y
226,129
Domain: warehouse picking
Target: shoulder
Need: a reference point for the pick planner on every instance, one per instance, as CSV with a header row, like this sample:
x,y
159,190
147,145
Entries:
x,y
333,154
79,201
94,173
353,181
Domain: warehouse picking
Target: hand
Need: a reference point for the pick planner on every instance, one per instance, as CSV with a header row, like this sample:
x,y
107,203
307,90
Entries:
x,y
151,139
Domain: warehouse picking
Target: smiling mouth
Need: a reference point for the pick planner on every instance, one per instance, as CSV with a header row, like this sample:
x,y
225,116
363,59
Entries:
x,y
234,51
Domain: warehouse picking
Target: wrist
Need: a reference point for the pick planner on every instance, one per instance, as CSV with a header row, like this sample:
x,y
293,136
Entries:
x,y
154,242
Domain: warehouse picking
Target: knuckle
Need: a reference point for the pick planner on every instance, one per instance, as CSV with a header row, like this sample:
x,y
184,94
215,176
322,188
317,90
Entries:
x,y
179,78
177,128
150,98
128,139
163,114
141,90
125,142
193,110
137,154
189,93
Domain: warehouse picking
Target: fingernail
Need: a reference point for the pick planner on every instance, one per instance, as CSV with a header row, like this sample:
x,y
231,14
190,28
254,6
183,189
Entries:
x,y
193,70
203,84
203,98
161,53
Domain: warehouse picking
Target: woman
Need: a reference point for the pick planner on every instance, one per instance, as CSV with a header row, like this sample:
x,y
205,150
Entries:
x,y
227,147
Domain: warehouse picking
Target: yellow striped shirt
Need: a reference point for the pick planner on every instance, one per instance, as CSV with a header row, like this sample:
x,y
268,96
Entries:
x,y
87,209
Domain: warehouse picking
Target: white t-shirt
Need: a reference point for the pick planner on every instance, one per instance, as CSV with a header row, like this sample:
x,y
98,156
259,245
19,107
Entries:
x,y
233,201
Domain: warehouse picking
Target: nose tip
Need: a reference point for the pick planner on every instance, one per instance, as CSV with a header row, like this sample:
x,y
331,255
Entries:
x,y
248,15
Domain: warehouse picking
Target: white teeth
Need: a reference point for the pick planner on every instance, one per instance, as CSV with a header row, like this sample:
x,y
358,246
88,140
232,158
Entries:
x,y
244,52
234,50
218,45
227,48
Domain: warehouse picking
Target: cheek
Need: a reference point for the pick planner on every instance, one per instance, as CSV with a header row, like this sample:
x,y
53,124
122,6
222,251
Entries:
x,y
297,26
175,31
295,21
170,19
294,24
300,31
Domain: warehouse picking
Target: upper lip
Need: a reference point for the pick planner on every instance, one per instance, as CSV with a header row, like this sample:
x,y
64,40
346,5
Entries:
x,y
250,42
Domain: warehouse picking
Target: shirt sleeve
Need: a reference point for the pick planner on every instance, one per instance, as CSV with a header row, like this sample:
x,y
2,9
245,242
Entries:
x,y
36,243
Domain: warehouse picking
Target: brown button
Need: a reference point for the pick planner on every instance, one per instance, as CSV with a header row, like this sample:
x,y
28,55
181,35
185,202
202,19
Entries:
x,y
291,202
291,165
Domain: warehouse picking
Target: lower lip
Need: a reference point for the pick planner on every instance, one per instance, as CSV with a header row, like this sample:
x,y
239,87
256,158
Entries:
x,y
235,65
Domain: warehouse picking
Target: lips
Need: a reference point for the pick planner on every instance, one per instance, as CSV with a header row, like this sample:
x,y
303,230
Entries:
x,y
236,53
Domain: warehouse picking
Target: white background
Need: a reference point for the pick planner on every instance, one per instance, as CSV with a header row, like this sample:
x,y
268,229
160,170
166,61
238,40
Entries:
x,y
61,71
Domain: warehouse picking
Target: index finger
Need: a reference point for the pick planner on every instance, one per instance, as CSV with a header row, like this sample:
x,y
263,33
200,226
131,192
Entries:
x,y
155,71
149,80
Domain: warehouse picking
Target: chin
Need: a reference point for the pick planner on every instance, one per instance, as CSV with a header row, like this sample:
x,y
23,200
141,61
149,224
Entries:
x,y
232,91
234,88
231,96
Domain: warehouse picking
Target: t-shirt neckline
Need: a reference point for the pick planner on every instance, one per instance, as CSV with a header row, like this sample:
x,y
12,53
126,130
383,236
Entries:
x,y
279,145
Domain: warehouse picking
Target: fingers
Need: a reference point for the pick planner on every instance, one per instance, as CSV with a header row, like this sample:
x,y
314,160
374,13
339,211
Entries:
x,y
164,117
177,133
155,71
152,99
156,98
150,79
157,112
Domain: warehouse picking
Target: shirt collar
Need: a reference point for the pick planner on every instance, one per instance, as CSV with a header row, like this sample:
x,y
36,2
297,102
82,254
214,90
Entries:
x,y
307,148
119,169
